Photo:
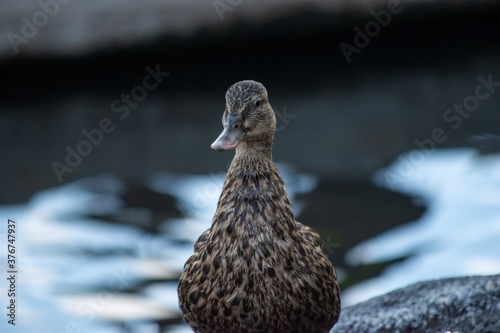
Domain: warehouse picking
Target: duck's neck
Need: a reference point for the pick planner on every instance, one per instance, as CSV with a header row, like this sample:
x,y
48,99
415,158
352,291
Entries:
x,y
254,199
251,164
258,150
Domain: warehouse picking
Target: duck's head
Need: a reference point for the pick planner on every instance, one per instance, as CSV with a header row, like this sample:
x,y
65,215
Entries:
x,y
248,118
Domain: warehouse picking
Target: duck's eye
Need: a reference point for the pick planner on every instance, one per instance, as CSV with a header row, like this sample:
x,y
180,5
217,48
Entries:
x,y
257,103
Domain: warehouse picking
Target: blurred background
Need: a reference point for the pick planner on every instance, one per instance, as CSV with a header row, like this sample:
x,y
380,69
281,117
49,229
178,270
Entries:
x,y
388,138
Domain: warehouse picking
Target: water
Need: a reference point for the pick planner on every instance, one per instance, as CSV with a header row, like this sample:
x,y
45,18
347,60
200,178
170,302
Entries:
x,y
459,235
80,270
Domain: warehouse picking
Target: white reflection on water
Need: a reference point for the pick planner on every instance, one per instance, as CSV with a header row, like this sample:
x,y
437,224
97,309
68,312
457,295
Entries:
x,y
458,235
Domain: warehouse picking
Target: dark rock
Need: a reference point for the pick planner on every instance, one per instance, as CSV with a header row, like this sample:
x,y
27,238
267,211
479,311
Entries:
x,y
466,304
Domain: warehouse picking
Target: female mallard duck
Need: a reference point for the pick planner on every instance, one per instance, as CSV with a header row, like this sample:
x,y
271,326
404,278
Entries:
x,y
256,269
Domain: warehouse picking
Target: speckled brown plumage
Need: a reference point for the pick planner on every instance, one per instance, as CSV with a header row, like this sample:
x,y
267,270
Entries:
x,y
256,269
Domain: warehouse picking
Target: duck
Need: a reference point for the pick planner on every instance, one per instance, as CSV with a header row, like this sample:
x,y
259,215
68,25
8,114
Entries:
x,y
256,269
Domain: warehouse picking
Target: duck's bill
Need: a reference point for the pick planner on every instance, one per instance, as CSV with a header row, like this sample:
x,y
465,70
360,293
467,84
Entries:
x,y
228,139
